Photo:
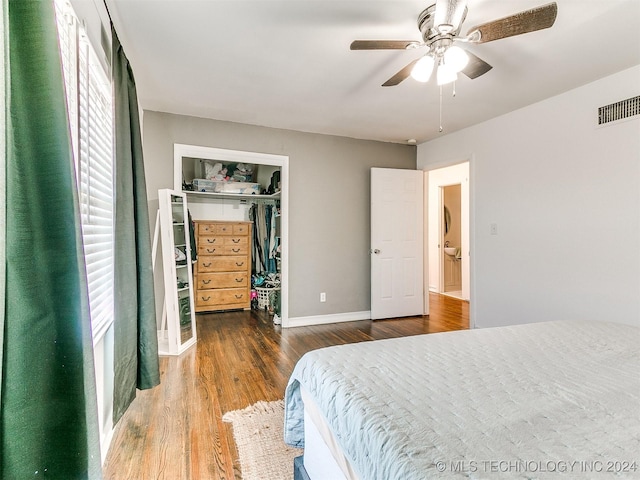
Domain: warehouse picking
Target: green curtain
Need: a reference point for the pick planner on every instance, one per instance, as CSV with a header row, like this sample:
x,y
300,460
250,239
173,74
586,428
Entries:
x,y
136,341
48,416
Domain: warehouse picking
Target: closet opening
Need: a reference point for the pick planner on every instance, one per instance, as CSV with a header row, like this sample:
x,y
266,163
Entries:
x,y
238,201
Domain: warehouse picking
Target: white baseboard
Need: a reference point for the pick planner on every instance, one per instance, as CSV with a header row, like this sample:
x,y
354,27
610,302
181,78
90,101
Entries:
x,y
105,442
332,318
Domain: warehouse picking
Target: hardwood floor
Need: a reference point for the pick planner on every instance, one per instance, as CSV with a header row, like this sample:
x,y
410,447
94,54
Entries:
x,y
175,431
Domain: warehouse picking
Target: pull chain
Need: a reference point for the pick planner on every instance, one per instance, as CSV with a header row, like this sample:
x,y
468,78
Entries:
x,y
440,109
454,94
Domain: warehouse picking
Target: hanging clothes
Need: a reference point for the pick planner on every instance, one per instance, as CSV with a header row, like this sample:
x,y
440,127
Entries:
x,y
264,245
192,238
257,258
254,243
271,240
274,240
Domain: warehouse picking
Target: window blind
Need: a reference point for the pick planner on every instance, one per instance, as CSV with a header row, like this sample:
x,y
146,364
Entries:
x,y
89,100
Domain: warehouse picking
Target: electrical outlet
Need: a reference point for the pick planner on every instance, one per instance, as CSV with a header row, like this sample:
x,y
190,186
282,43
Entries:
x,y
494,229
323,297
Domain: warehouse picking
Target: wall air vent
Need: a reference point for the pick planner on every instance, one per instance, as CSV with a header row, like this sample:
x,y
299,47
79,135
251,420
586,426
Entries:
x,y
619,110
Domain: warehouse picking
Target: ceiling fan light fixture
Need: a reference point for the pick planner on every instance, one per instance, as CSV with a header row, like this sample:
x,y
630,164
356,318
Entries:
x,y
445,75
456,59
423,68
440,25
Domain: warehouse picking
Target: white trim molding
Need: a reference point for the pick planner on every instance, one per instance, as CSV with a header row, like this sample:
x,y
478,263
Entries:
x,y
282,161
331,318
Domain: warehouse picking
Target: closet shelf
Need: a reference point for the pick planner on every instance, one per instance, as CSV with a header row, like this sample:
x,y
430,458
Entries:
x,y
231,195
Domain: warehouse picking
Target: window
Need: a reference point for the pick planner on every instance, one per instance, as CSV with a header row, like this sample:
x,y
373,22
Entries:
x,y
89,101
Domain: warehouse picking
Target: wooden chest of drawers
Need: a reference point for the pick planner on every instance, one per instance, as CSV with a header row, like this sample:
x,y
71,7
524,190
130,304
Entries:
x,y
222,275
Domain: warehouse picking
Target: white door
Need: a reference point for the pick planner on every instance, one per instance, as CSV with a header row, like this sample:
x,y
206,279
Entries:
x,y
396,243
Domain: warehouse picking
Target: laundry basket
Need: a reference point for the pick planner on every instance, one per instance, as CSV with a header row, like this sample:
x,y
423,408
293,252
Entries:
x,y
264,296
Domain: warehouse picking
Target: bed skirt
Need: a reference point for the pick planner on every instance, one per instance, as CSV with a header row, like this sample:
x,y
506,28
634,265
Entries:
x,y
299,473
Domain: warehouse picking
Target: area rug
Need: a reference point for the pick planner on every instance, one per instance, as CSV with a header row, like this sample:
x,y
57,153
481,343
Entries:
x,y
258,432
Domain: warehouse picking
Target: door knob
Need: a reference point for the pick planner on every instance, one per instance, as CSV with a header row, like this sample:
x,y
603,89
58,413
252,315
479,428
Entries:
x,y
376,251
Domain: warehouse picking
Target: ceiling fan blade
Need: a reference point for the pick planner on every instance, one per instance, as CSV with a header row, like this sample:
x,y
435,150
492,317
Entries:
x,y
383,44
523,22
449,15
476,66
401,75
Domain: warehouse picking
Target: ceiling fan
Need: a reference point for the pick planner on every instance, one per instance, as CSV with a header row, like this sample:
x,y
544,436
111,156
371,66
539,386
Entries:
x,y
440,26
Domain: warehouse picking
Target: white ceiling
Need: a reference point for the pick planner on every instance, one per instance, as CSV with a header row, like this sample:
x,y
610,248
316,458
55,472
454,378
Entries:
x,y
287,63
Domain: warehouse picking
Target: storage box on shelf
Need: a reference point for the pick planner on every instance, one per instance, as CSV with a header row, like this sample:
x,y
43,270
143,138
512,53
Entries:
x,y
231,174
212,186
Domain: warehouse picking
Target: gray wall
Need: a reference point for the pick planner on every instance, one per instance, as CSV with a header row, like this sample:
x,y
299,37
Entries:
x,y
328,196
564,194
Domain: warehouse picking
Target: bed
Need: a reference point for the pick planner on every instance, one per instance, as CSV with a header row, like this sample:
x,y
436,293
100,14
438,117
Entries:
x,y
525,401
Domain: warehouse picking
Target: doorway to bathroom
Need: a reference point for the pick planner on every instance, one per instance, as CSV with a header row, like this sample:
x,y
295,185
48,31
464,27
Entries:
x,y
451,241
448,231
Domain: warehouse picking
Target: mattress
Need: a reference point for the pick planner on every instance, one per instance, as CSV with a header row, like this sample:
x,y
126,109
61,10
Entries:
x,y
524,401
323,457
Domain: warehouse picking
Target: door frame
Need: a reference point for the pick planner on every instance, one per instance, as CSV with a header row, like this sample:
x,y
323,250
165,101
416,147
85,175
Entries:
x,y
440,238
282,161
470,240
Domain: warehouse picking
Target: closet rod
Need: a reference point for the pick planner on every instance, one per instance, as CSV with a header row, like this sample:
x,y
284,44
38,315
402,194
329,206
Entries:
x,y
263,201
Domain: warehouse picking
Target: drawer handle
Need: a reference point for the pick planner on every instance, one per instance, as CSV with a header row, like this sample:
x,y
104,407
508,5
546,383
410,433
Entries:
x,y
239,280
207,264
235,250
211,250
206,282
239,264
206,299
235,240
239,296
211,240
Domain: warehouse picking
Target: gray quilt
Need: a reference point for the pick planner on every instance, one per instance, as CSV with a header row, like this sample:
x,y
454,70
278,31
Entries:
x,y
526,401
